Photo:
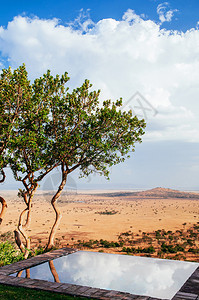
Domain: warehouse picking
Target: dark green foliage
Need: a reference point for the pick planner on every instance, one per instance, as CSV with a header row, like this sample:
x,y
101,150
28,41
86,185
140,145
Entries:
x,y
102,243
126,233
88,244
196,227
158,234
107,244
190,242
159,243
149,250
13,87
90,136
171,248
28,155
193,250
169,244
39,250
43,126
179,248
9,254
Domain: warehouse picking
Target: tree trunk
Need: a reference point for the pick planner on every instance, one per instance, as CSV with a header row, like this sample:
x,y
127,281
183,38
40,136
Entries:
x,y
24,225
29,205
57,210
3,209
27,273
18,241
19,273
55,225
28,218
24,249
53,271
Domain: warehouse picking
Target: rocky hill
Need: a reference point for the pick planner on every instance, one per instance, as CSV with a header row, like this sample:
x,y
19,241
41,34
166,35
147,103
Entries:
x,y
156,193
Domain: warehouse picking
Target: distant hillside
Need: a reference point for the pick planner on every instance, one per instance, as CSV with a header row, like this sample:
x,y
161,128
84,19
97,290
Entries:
x,y
155,193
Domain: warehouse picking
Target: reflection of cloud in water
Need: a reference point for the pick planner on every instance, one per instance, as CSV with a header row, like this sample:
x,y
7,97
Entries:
x,y
137,275
153,277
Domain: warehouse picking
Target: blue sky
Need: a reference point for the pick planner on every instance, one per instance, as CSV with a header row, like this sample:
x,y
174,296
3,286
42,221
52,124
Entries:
x,y
67,10
123,47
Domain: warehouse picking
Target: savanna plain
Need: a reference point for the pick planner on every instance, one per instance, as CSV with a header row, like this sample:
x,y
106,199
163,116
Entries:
x,y
159,222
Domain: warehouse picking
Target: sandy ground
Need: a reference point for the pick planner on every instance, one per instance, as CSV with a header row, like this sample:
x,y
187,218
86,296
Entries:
x,y
82,218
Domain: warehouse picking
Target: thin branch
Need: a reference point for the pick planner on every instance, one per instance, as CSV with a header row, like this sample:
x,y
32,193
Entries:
x,y
3,174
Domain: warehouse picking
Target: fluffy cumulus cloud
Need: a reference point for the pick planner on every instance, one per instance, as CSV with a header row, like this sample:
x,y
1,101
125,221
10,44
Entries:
x,y
120,57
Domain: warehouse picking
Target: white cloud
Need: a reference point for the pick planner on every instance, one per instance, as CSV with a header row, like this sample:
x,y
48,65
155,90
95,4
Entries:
x,y
82,22
120,58
165,15
130,16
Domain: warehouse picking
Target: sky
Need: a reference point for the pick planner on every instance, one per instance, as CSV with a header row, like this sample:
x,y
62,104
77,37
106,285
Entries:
x,y
146,52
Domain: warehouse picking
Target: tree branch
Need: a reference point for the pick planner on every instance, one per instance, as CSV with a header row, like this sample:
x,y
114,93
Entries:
x,y
3,209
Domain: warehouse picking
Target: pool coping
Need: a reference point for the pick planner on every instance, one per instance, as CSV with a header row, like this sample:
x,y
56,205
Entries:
x,y
189,291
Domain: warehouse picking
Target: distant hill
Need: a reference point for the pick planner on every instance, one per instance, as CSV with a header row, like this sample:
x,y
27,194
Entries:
x,y
155,193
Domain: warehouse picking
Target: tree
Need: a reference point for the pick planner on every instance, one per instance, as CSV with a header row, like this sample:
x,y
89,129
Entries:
x,y
11,101
88,136
54,128
28,148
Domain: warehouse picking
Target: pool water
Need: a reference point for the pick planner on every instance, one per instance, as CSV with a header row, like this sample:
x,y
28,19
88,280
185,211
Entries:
x,y
136,275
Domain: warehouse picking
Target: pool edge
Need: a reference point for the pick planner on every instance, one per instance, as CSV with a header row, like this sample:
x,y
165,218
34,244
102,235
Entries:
x,y
190,289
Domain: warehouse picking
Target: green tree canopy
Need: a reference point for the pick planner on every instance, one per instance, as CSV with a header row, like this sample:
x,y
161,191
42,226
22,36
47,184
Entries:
x,y
44,126
12,89
85,133
28,147
88,135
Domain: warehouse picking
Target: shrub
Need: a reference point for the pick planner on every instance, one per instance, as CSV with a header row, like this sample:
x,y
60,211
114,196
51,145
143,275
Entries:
x,y
8,254
149,249
194,251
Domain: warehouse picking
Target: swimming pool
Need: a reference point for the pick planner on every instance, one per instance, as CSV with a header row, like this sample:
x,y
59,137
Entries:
x,y
136,275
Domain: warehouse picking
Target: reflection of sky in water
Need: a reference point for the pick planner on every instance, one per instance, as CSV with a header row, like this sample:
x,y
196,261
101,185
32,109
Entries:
x,y
136,275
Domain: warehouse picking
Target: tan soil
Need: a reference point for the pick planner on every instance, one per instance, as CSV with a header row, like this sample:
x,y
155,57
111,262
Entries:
x,y
82,219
